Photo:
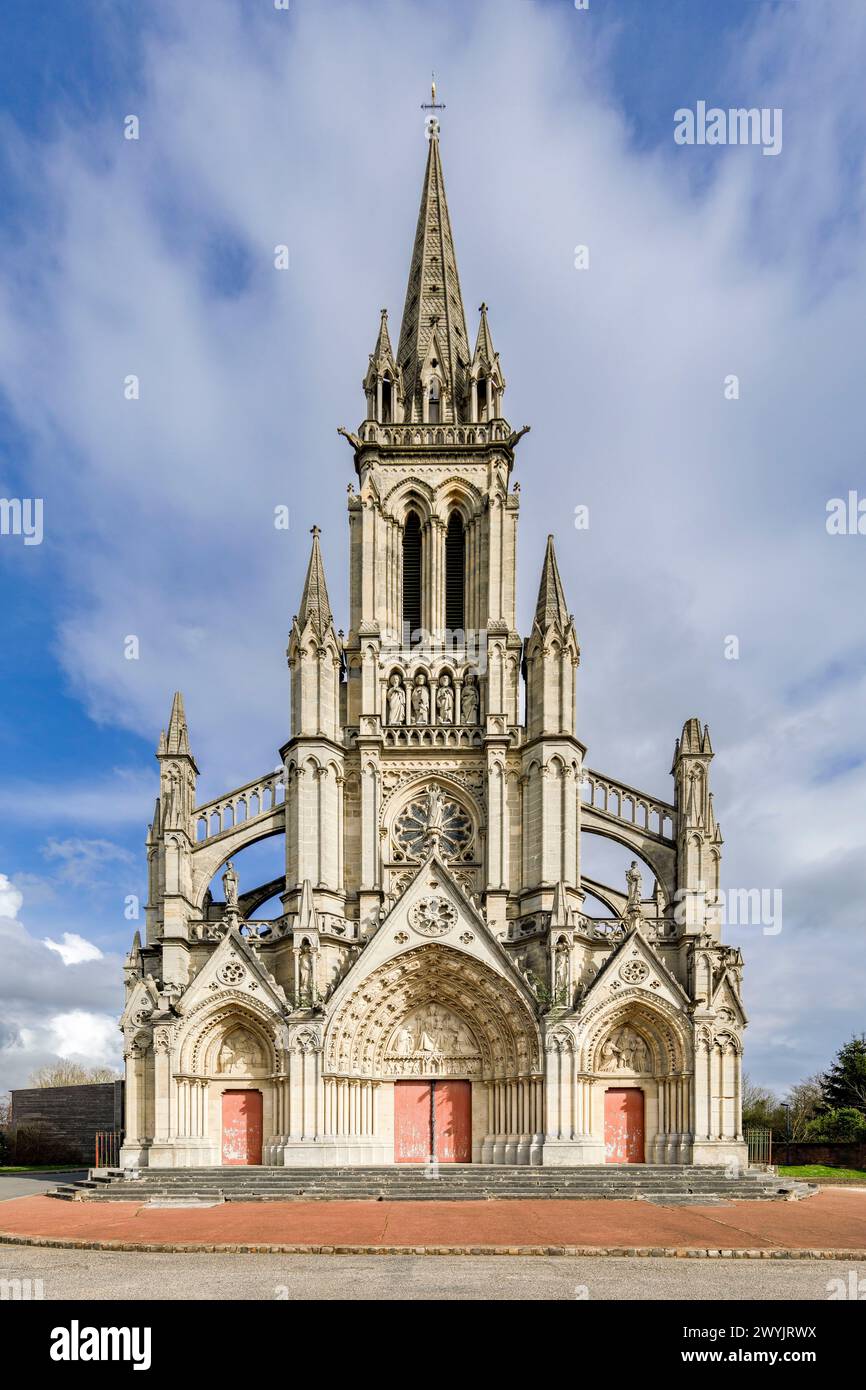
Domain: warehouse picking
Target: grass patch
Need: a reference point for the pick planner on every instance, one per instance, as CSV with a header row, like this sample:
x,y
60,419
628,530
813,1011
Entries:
x,y
820,1172
44,1168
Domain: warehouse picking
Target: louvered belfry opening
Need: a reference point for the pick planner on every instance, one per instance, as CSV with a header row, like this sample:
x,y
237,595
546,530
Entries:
x,y
455,564
411,579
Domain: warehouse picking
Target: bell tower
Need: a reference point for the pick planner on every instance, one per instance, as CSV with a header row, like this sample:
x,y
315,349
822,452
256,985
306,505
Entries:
x,y
433,655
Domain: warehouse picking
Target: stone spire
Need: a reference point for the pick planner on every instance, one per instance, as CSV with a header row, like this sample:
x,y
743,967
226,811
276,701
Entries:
x,y
486,380
315,606
433,338
382,384
315,656
551,607
383,354
550,667
484,356
176,741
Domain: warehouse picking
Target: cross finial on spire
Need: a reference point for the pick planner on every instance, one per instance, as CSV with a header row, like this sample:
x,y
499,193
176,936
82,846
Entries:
x,y
432,106
315,530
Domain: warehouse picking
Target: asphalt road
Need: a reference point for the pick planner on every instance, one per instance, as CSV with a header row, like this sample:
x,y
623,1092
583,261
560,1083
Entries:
x,y
89,1274
31,1184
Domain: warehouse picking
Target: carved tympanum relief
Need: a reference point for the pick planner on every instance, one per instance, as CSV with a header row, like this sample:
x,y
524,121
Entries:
x,y
624,1051
239,1054
432,1041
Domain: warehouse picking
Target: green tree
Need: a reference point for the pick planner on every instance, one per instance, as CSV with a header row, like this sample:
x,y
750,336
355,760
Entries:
x,y
844,1085
761,1108
845,1125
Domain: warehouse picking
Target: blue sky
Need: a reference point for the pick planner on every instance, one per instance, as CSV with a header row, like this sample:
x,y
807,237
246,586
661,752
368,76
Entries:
x,y
155,257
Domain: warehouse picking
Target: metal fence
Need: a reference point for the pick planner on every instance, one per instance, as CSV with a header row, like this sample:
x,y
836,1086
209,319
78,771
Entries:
x,y
760,1142
108,1143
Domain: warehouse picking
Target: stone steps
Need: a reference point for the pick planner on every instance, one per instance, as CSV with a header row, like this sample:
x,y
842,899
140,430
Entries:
x,y
453,1183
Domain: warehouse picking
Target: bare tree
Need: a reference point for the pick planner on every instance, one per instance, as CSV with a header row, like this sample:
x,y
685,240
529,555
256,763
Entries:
x,y
759,1105
805,1101
71,1074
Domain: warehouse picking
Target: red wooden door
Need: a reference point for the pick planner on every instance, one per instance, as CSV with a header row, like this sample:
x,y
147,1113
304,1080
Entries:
x,y
623,1125
454,1121
242,1127
421,1105
411,1121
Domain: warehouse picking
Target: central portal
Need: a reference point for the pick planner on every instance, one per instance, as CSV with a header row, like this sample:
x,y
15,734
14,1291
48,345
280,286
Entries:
x,y
432,1119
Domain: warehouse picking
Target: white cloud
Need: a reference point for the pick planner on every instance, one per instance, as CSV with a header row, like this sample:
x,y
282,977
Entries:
x,y
73,949
11,898
82,862
87,1037
49,1011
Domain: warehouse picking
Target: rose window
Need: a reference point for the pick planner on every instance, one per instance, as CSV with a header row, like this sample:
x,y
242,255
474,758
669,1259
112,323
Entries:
x,y
433,916
232,973
455,837
634,972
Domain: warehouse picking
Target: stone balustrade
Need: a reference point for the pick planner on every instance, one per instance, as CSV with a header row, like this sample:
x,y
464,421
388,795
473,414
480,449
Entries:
x,y
433,436
257,798
628,804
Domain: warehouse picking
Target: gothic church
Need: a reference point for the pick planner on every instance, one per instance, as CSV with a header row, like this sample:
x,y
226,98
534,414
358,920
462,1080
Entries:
x,y
435,987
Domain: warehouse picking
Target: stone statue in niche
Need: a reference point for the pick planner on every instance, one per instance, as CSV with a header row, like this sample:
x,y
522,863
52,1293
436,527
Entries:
x,y
420,700
560,975
305,974
171,797
445,700
396,701
470,701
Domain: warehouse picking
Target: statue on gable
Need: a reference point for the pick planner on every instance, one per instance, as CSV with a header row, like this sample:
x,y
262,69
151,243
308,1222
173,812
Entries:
x,y
230,886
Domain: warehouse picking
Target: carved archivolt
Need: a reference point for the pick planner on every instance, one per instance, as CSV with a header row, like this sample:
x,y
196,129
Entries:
x,y
216,1021
360,1039
636,1034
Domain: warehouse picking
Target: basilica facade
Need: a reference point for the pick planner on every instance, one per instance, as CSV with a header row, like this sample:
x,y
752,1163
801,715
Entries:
x,y
442,982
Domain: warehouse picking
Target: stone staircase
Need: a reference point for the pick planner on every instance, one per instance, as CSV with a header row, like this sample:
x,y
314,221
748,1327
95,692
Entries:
x,y
453,1182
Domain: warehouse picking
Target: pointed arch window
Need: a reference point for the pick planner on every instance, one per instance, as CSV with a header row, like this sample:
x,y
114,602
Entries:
x,y
387,401
411,578
434,402
455,571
